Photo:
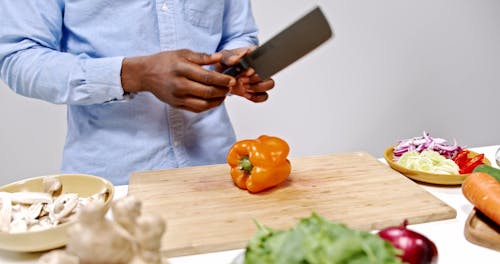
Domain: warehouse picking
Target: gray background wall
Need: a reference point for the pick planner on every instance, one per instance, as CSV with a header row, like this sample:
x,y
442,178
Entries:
x,y
395,69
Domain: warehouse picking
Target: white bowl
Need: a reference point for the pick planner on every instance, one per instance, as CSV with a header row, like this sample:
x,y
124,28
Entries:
x,y
32,241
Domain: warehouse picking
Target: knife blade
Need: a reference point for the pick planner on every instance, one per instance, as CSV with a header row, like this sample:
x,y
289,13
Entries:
x,y
291,44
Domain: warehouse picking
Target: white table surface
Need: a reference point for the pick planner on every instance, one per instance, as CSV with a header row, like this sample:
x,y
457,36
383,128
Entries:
x,y
447,235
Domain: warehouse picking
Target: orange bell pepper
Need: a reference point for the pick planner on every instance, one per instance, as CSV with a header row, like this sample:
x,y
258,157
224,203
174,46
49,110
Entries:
x,y
259,164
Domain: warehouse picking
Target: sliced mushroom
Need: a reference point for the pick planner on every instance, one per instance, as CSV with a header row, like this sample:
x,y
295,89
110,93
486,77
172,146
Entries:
x,y
52,186
63,206
22,214
18,226
34,211
31,197
38,227
16,208
5,212
45,222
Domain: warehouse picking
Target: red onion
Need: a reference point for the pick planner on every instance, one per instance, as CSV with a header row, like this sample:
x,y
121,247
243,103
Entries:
x,y
424,142
417,249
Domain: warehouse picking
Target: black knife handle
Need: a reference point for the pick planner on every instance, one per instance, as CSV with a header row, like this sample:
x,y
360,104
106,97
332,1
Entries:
x,y
238,68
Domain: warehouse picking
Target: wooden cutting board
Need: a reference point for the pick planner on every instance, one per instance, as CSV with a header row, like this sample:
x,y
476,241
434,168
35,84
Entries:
x,y
206,212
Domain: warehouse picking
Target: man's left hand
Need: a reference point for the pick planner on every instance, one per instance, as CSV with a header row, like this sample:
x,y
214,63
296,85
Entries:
x,y
248,84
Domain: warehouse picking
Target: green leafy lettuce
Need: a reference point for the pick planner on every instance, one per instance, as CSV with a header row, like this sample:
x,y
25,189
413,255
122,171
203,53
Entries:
x,y
314,240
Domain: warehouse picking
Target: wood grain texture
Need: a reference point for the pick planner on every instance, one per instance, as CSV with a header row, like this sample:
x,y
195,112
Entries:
x,y
480,230
206,212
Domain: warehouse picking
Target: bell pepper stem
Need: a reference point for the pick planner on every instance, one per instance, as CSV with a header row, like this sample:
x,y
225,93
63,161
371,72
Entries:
x,y
245,164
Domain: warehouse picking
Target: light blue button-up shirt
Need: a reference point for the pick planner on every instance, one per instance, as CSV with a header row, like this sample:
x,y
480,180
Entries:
x,y
70,52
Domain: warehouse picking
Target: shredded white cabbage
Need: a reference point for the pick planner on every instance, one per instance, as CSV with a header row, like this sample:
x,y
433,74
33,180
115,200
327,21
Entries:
x,y
428,161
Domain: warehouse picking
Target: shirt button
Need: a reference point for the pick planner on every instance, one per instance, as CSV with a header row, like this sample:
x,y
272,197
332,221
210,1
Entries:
x,y
164,7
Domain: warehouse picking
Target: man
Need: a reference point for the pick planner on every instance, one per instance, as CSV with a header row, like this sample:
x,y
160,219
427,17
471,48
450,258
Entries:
x,y
141,78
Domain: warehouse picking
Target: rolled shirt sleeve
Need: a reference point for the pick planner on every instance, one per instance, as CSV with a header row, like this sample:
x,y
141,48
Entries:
x,y
33,63
239,28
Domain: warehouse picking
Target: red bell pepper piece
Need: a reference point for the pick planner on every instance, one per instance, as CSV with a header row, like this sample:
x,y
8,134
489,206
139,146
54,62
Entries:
x,y
461,158
471,164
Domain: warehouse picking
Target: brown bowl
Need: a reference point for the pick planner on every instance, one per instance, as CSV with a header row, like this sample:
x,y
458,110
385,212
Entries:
x,y
421,176
482,231
32,241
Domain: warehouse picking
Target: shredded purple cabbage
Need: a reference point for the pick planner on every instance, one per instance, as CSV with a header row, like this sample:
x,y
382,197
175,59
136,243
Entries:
x,y
424,142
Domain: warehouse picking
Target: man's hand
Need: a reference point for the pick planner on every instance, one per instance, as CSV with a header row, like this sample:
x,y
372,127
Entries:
x,y
178,78
248,83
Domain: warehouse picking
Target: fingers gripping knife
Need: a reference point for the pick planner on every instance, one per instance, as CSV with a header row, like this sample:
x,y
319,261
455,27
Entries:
x,y
286,47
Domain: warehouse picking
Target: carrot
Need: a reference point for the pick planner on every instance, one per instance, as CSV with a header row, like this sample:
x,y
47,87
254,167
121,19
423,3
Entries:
x,y
483,191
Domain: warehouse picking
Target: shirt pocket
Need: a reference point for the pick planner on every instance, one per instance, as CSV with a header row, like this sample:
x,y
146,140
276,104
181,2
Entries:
x,y
206,15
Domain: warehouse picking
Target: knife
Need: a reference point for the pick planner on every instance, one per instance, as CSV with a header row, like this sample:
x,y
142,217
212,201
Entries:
x,y
286,47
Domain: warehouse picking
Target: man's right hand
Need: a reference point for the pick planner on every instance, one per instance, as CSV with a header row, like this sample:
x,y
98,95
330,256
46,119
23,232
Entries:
x,y
178,78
